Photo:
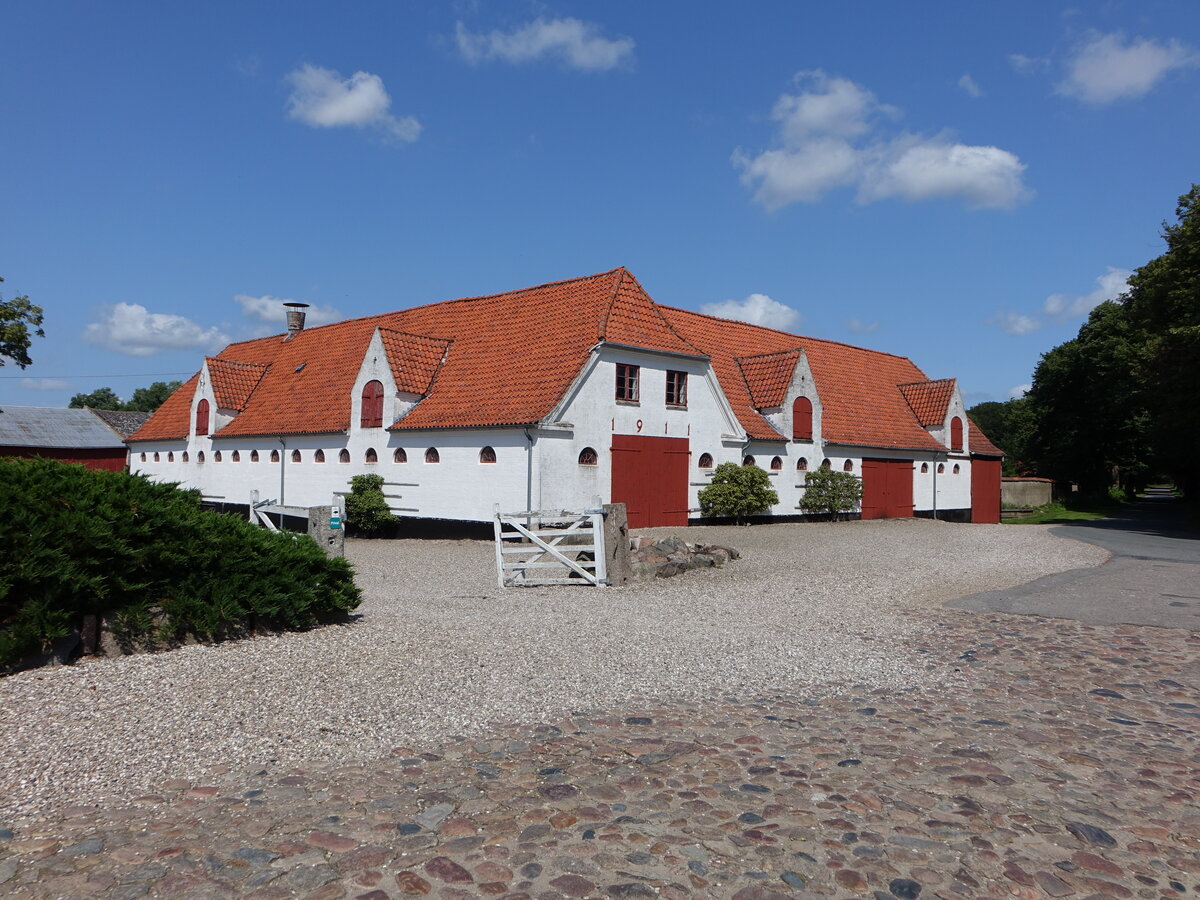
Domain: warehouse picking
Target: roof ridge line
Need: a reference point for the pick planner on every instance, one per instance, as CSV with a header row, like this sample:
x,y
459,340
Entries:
x,y
693,312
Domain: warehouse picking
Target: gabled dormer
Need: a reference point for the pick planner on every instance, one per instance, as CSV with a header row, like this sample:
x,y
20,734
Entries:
x,y
938,407
784,392
398,370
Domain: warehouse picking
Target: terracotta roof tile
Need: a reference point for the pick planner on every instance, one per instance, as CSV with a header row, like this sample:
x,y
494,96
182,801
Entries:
x,y
858,388
173,419
414,358
979,442
768,376
929,400
233,382
508,359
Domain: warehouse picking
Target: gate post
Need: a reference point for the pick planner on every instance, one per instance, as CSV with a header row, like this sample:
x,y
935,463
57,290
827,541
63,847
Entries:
x,y
616,544
331,540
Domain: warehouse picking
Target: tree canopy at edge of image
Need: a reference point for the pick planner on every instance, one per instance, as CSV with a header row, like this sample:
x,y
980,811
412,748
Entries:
x,y
146,399
17,317
1116,405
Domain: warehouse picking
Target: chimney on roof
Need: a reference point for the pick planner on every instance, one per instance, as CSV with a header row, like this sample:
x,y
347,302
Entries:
x,y
295,318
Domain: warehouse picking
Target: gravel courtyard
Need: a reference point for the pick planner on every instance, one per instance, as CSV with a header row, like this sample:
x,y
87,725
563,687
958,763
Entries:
x,y
439,651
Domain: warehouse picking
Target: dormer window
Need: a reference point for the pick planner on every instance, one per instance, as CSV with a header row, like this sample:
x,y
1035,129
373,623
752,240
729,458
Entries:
x,y
627,383
372,405
802,419
202,417
956,434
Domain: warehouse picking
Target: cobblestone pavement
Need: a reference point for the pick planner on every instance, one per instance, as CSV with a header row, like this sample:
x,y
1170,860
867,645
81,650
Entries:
x,y
1049,758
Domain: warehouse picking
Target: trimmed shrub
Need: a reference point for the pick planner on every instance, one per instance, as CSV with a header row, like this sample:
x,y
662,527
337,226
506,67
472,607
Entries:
x,y
737,491
367,510
830,492
76,542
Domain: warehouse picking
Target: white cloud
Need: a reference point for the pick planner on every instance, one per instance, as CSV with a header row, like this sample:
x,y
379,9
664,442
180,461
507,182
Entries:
x,y
323,99
131,329
1108,67
1112,284
970,85
830,137
44,384
270,310
1027,65
857,326
1015,323
757,309
1019,391
578,44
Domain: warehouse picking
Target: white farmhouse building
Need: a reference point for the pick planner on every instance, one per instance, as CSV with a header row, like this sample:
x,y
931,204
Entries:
x,y
549,396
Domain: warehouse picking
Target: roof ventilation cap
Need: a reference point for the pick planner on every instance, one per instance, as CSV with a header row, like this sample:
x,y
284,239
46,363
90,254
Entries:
x,y
295,318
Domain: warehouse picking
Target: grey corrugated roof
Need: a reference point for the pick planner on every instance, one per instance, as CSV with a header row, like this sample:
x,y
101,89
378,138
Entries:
x,y
47,426
124,422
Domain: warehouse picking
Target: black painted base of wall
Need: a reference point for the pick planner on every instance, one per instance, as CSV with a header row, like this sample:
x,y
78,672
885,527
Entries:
x,y
945,515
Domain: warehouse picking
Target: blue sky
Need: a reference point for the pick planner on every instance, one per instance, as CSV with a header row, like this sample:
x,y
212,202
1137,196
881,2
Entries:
x,y
953,182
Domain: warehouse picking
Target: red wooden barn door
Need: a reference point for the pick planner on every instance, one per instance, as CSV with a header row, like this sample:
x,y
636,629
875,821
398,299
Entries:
x,y
887,489
985,491
650,476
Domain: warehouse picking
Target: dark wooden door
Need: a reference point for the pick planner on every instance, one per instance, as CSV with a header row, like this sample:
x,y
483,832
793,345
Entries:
x,y
650,476
985,491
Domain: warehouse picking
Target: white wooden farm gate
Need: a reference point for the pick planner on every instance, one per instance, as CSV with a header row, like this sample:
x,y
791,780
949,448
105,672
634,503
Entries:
x,y
550,546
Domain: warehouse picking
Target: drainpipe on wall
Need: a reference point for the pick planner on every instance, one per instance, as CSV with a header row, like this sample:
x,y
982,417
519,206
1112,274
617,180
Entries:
x,y
935,468
282,463
529,476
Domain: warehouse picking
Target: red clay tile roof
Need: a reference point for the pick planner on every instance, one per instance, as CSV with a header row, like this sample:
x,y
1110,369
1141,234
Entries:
x,y
508,359
929,400
768,376
233,382
173,418
862,405
633,319
979,443
414,358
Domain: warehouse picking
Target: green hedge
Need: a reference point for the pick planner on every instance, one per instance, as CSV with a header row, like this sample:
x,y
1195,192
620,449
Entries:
x,y
76,542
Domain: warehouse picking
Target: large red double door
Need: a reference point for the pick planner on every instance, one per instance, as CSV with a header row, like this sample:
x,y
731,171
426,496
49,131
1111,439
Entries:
x,y
887,488
985,490
650,476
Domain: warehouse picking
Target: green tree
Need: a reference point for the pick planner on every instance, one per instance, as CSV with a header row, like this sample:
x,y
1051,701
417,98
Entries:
x,y
148,399
1164,302
367,509
101,398
1009,426
737,491
830,492
20,320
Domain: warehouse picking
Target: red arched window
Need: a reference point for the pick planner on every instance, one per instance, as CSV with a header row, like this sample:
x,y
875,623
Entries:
x,y
372,405
202,417
956,442
802,419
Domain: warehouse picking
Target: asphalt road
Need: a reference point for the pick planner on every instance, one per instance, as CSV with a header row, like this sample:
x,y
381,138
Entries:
x,y
1153,577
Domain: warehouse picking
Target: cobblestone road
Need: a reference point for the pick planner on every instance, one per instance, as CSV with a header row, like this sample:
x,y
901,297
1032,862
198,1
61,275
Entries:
x,y
1050,759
